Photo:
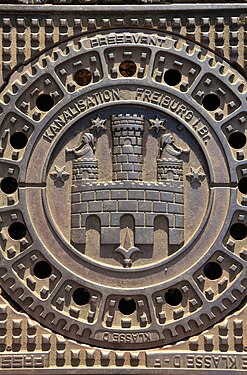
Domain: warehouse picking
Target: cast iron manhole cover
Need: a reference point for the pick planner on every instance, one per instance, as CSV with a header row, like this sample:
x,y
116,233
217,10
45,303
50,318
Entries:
x,y
123,218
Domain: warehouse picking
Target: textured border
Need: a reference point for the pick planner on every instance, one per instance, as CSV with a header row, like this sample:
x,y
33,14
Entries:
x,y
121,7
89,11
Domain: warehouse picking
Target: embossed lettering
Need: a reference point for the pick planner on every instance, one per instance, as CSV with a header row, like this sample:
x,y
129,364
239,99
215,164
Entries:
x,y
244,364
76,108
180,109
127,337
177,361
36,360
127,38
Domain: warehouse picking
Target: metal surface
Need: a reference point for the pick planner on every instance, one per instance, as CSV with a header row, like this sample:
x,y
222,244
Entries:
x,y
123,206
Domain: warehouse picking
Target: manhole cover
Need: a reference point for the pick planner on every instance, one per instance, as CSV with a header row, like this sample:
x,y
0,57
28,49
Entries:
x,y
123,217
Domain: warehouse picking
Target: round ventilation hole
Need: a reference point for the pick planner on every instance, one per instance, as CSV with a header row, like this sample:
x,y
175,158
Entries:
x,y
9,185
212,270
42,270
127,305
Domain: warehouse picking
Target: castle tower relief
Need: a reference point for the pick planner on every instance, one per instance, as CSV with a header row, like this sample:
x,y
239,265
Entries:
x,y
169,165
127,131
85,165
127,194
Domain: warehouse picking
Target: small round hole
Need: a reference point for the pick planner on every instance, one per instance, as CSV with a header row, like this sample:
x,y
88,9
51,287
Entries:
x,y
237,140
17,231
42,269
212,270
81,296
9,185
172,77
127,306
44,102
18,140
238,231
127,68
242,185
173,297
211,102
83,77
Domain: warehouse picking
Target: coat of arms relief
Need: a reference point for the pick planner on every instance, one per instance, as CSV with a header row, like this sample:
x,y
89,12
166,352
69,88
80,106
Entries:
x,y
129,214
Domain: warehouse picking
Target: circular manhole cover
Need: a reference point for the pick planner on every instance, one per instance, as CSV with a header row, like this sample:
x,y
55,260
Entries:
x,y
123,219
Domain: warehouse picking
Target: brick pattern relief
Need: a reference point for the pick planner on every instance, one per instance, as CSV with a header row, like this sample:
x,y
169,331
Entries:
x,y
128,194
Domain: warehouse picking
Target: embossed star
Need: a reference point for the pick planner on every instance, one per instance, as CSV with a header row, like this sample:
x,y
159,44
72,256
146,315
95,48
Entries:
x,y
98,124
59,176
196,175
157,124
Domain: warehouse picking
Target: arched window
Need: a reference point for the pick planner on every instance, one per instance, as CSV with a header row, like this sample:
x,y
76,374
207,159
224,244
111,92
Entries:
x,y
161,236
93,229
127,224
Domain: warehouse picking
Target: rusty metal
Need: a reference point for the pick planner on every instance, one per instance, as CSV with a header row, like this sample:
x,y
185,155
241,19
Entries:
x,y
123,191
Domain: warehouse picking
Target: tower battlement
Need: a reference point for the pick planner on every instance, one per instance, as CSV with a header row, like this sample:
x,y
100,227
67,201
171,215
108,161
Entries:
x,y
128,122
170,170
85,170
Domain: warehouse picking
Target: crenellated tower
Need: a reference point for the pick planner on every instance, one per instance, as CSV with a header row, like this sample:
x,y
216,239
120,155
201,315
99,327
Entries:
x,y
170,170
127,131
85,170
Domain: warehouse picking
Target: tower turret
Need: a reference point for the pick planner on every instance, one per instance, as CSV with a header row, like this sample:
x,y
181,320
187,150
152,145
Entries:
x,y
169,165
127,133
85,165
85,170
171,170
